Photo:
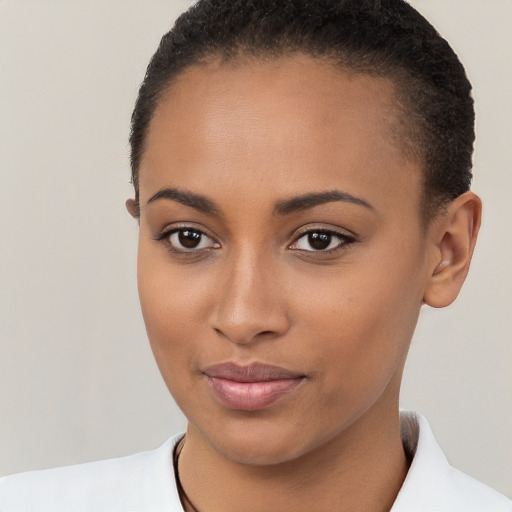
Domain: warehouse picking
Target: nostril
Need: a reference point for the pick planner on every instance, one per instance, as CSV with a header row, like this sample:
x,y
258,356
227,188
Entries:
x,y
262,333
242,322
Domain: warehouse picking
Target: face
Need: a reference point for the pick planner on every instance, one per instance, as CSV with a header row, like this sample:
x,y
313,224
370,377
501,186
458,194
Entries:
x,y
281,257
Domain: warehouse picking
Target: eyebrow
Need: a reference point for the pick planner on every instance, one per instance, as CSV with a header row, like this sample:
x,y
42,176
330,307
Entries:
x,y
285,207
306,201
196,201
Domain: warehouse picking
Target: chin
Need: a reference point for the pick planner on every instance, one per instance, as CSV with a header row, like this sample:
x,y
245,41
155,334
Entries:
x,y
258,443
258,453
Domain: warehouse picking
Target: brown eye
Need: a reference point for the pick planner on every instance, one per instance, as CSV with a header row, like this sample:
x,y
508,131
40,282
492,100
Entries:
x,y
319,241
188,240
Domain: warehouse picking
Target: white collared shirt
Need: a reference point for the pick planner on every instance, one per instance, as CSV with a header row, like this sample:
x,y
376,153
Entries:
x,y
145,482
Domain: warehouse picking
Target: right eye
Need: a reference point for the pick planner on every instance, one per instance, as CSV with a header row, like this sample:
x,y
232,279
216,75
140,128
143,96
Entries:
x,y
187,240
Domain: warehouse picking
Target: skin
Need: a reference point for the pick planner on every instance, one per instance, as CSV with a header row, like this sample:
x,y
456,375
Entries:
x,y
249,135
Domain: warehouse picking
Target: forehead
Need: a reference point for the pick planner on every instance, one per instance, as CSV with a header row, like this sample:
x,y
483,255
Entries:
x,y
299,121
238,93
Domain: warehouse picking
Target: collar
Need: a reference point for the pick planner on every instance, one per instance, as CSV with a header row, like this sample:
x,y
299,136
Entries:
x,y
432,484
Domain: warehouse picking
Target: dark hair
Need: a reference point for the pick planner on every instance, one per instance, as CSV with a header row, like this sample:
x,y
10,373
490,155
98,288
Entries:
x,y
385,38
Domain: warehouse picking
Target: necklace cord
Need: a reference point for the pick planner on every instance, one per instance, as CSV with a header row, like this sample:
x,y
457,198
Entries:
x,y
185,501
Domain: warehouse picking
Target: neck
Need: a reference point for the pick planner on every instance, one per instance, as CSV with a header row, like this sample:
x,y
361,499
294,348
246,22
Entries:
x,y
361,469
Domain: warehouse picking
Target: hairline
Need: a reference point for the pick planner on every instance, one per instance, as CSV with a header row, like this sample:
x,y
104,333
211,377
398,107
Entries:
x,y
402,129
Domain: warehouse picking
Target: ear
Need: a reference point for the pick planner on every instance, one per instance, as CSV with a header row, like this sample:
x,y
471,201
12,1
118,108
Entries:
x,y
132,207
452,237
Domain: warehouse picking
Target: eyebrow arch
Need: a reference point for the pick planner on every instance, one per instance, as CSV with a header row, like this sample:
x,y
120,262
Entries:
x,y
306,201
196,201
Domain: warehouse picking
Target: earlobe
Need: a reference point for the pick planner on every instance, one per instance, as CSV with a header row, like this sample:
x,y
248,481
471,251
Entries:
x,y
131,206
453,237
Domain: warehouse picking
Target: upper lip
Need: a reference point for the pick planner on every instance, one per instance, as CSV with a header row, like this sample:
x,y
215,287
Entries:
x,y
255,372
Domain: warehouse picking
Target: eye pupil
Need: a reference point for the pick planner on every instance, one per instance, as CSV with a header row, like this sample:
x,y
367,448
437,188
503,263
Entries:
x,y
189,239
319,241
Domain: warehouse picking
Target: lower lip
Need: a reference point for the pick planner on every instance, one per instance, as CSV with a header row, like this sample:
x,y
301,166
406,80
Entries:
x,y
251,396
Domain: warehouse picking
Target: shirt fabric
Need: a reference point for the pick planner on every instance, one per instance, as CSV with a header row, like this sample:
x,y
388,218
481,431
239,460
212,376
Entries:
x,y
146,482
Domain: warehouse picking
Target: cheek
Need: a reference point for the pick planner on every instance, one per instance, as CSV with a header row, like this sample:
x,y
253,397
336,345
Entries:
x,y
172,298
360,324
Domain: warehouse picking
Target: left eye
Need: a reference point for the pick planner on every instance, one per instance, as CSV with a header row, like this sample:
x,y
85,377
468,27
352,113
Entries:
x,y
189,240
319,241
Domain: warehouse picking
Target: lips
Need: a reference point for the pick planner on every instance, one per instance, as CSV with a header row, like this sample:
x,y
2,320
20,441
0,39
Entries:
x,y
250,388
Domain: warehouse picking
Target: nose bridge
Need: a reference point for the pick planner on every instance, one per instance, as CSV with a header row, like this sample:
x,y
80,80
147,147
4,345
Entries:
x,y
248,302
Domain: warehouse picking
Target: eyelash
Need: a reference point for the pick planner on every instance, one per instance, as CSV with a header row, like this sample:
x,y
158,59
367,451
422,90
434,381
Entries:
x,y
344,241
165,238
328,235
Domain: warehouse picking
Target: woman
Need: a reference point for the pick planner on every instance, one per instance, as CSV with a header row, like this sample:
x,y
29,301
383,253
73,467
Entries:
x,y
301,175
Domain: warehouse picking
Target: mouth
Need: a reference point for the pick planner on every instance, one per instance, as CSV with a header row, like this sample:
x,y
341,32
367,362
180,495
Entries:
x,y
250,388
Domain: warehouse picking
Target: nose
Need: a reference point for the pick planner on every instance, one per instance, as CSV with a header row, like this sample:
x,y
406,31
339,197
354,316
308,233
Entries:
x,y
249,302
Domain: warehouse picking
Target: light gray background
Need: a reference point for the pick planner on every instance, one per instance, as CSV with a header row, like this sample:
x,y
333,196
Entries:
x,y
77,379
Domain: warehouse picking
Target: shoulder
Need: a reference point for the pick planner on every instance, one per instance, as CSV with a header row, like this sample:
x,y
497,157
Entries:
x,y
433,484
144,481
